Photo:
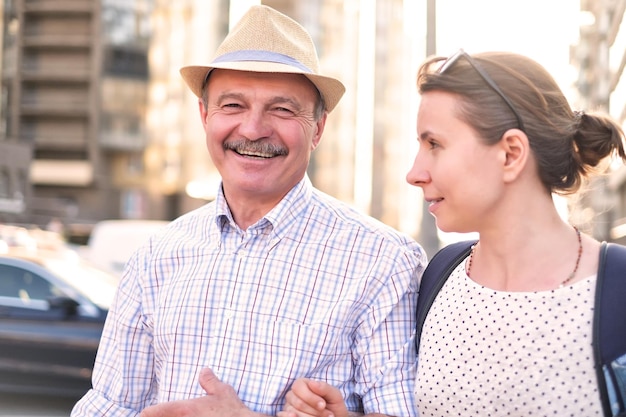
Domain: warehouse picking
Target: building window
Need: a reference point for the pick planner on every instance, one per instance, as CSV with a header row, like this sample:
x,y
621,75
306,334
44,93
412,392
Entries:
x,y
5,183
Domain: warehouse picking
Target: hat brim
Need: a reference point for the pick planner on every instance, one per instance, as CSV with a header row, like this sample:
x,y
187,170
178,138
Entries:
x,y
331,89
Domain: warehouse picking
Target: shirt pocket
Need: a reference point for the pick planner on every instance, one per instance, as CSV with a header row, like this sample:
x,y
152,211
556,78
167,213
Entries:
x,y
262,359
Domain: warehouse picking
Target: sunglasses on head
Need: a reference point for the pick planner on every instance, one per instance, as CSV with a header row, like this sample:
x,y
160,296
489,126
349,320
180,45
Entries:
x,y
485,76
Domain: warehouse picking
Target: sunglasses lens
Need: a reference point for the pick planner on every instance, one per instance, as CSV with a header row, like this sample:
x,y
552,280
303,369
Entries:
x,y
451,60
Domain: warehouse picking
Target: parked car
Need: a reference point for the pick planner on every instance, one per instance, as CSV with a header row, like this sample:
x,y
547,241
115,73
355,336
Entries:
x,y
52,310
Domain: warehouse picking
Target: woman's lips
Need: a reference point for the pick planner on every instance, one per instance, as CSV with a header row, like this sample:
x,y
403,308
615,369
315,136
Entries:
x,y
433,203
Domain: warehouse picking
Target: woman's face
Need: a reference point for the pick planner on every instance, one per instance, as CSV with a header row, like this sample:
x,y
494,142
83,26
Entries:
x,y
461,177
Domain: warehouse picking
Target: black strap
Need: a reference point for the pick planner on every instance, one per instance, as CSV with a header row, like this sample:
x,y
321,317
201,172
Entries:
x,y
609,323
437,272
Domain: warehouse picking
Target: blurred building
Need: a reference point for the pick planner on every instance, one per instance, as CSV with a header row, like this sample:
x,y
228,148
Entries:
x,y
601,58
72,110
96,122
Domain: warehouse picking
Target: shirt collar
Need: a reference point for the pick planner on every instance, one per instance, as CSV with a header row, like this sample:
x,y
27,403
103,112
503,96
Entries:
x,y
222,212
291,208
288,211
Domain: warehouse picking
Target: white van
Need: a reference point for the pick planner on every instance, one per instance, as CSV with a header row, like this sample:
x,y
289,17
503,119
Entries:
x,y
112,242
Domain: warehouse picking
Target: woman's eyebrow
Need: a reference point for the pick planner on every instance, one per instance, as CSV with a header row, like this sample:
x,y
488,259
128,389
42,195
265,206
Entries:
x,y
425,135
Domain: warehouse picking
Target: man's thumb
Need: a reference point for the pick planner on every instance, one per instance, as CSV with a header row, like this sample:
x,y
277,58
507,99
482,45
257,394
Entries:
x,y
207,379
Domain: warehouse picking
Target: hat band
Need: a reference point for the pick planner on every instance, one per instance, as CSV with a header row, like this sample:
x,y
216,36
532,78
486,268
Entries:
x,y
261,56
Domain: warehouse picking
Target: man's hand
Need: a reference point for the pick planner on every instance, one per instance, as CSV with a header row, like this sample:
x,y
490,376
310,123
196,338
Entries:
x,y
220,401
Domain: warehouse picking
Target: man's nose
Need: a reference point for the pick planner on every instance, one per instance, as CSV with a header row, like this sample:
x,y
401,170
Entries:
x,y
255,125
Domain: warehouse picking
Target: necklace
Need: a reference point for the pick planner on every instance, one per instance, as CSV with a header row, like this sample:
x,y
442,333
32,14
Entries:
x,y
568,279
580,252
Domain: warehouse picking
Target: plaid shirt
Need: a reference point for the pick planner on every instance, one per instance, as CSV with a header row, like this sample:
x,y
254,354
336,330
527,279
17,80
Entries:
x,y
313,289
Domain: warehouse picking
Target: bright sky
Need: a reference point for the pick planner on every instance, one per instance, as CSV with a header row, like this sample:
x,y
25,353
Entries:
x,y
540,29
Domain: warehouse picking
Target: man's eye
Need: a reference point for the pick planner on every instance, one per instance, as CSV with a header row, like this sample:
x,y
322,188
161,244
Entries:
x,y
233,105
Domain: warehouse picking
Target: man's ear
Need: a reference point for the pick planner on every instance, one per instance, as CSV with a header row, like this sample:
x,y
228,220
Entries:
x,y
517,153
319,129
203,112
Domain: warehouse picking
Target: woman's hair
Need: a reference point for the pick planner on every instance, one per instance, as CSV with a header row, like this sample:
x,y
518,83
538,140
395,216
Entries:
x,y
567,145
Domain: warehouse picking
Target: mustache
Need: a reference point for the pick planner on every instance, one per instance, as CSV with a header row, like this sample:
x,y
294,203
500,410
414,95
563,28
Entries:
x,y
255,146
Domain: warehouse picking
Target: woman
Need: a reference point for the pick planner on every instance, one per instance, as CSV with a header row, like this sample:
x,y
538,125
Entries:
x,y
510,333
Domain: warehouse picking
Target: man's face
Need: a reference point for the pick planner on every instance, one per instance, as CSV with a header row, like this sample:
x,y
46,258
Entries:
x,y
260,131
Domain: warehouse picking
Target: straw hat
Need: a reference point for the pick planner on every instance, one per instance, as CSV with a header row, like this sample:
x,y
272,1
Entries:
x,y
265,40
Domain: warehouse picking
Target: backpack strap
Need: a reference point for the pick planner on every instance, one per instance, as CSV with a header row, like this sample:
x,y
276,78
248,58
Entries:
x,y
609,321
437,272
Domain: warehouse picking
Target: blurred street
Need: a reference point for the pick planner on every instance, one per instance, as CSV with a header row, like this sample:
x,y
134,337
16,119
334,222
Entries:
x,y
12,405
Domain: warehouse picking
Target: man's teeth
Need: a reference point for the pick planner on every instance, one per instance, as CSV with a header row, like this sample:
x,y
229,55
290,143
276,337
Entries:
x,y
257,154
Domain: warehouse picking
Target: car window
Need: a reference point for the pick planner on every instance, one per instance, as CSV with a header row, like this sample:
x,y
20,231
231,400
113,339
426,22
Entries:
x,y
25,285
9,282
99,286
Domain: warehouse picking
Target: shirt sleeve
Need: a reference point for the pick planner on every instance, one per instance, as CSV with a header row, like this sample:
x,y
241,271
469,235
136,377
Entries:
x,y
387,360
122,381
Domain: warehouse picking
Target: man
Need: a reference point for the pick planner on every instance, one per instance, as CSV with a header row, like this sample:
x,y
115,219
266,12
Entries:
x,y
221,311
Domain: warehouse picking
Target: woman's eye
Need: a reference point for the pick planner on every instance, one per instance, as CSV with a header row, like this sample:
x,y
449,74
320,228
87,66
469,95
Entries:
x,y
433,144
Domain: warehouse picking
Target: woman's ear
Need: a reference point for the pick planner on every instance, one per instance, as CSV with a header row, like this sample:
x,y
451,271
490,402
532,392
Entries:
x,y
517,150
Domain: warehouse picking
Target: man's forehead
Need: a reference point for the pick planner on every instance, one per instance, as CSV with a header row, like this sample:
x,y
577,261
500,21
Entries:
x,y
296,86
226,74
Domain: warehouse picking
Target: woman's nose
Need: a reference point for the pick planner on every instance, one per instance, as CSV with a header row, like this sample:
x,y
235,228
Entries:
x,y
418,175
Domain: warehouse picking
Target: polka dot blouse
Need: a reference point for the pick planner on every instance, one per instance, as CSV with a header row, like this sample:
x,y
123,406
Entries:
x,y
493,353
